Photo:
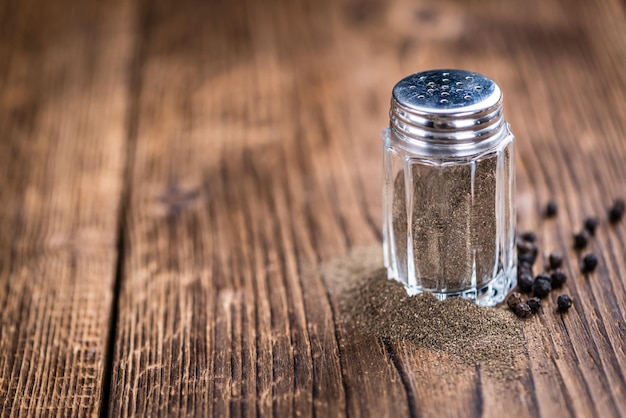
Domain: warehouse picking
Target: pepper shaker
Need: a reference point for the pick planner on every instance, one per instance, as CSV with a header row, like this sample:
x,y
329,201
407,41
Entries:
x,y
448,194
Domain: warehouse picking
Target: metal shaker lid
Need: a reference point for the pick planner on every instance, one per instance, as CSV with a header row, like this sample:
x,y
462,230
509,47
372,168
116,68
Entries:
x,y
447,108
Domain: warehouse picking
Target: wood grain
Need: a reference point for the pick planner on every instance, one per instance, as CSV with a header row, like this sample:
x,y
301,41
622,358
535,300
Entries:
x,y
249,132
257,160
62,138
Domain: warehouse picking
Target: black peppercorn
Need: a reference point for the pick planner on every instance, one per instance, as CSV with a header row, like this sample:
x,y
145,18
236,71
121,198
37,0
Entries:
x,y
526,258
529,236
526,247
527,252
558,278
514,299
563,303
616,212
590,262
581,239
591,224
543,276
534,304
542,287
522,310
555,259
524,268
525,283
551,209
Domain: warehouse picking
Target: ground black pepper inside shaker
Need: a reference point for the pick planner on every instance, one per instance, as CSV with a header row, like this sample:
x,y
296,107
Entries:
x,y
448,188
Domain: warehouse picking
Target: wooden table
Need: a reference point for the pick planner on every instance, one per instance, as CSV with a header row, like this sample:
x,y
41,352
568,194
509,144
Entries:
x,y
175,175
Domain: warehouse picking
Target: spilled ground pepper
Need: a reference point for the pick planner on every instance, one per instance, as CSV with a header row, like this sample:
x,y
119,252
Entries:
x,y
458,328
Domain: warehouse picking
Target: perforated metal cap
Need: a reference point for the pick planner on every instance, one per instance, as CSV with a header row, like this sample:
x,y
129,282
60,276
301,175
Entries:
x,y
446,108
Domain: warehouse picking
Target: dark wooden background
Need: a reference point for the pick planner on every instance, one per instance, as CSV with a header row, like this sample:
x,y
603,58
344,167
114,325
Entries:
x,y
174,174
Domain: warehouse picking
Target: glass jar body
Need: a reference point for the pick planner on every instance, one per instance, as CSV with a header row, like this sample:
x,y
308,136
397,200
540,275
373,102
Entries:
x,y
449,220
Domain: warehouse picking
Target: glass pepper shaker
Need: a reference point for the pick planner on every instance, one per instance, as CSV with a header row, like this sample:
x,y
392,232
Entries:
x,y
449,180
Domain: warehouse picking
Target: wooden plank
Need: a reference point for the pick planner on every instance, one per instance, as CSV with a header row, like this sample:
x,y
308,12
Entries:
x,y
257,165
63,103
565,128
219,230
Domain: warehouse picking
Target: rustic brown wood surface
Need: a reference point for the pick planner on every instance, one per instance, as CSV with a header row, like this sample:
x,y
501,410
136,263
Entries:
x,y
176,175
63,135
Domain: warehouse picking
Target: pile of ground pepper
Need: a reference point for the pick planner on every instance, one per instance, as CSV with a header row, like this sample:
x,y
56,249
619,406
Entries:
x,y
489,337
